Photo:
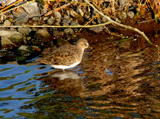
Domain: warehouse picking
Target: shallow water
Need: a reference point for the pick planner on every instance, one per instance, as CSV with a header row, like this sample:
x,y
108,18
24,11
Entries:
x,y
111,82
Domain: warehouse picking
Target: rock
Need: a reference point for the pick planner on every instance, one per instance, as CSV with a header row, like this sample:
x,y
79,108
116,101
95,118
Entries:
x,y
57,15
22,19
7,23
62,42
122,15
23,47
3,1
6,43
36,48
35,18
24,50
68,31
74,23
66,16
45,18
58,33
104,20
11,56
130,14
32,9
14,36
44,10
10,2
97,29
24,30
87,16
20,13
43,33
123,3
3,52
66,22
76,15
80,11
50,21
93,22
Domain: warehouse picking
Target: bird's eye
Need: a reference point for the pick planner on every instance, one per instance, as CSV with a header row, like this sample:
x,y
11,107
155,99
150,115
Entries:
x,y
85,44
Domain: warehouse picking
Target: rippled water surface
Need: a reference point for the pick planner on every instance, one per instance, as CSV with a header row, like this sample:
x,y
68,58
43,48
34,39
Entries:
x,y
111,82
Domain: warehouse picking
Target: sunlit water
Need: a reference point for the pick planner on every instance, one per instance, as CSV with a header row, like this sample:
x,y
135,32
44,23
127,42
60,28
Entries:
x,y
18,86
104,85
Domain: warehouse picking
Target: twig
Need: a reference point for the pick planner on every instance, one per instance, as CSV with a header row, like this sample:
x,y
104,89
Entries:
x,y
88,23
57,9
3,10
78,26
148,21
121,25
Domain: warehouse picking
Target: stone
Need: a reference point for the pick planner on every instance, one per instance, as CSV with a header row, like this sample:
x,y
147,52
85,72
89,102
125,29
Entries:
x,y
58,33
74,23
20,13
35,18
22,19
14,36
58,15
29,10
43,33
104,20
50,21
130,14
96,29
24,30
68,31
122,15
76,15
61,42
6,41
7,23
32,8
10,2
66,22
24,50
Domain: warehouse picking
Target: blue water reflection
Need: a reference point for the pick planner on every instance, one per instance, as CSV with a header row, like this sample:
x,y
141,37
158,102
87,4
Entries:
x,y
16,81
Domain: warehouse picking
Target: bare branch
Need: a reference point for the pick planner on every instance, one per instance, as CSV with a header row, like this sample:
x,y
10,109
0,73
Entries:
x,y
121,25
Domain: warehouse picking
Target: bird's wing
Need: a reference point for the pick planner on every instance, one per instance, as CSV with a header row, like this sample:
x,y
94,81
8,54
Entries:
x,y
61,56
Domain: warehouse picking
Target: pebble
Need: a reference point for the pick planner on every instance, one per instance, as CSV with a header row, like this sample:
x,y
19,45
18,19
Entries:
x,y
96,29
68,31
66,22
43,33
104,20
50,21
130,14
6,41
58,33
7,23
74,23
14,36
22,19
24,30
58,15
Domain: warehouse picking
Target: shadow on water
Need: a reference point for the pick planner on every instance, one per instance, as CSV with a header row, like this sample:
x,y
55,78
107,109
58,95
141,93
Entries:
x,y
113,81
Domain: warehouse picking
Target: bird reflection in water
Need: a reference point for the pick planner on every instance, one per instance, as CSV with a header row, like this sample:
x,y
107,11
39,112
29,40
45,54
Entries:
x,y
64,82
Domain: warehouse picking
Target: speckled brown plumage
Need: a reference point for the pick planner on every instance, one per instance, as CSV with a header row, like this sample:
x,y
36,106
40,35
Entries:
x,y
66,56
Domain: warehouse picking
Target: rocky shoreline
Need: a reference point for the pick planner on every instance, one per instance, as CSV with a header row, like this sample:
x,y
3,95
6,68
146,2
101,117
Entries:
x,y
22,43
